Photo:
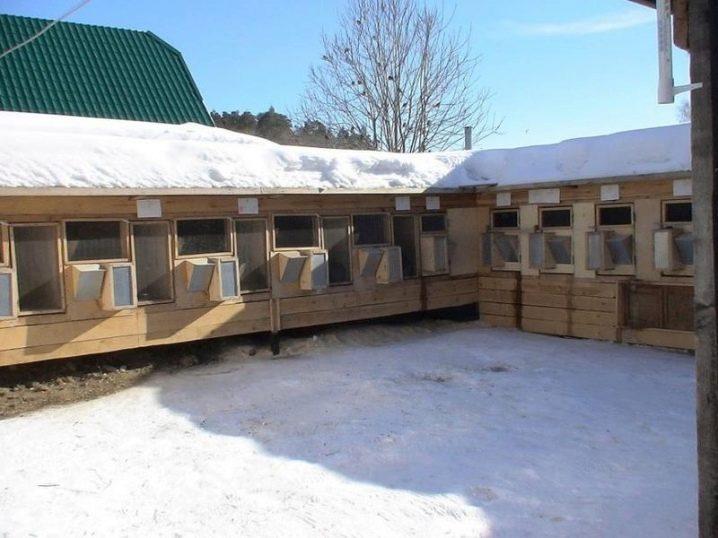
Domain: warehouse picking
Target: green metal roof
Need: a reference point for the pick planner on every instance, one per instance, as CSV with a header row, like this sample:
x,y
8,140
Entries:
x,y
96,71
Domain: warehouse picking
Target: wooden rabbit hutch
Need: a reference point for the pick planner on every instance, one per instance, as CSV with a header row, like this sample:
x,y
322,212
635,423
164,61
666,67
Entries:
x,y
118,235
88,274
610,259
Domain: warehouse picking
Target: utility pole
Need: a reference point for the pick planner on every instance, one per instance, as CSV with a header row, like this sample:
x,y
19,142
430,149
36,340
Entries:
x,y
703,44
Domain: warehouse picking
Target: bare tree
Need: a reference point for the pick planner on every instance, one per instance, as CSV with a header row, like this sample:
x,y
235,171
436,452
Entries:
x,y
684,111
396,74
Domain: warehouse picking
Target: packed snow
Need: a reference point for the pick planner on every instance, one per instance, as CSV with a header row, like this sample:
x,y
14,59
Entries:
x,y
456,431
49,151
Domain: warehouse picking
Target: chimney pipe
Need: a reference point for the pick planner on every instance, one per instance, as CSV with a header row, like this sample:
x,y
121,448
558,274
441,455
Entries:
x,y
467,138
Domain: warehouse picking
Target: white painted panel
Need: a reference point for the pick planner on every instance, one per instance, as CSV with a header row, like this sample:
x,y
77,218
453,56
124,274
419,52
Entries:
x,y
682,187
545,196
149,209
610,193
402,203
248,206
433,203
503,199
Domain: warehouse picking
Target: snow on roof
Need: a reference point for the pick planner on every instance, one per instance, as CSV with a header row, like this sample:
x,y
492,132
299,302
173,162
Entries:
x,y
50,151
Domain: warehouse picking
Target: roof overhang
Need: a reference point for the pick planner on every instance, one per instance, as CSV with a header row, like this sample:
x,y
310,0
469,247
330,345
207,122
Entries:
x,y
143,193
680,20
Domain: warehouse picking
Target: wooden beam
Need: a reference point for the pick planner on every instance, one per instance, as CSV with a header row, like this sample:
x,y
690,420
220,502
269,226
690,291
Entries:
x,y
703,27
680,20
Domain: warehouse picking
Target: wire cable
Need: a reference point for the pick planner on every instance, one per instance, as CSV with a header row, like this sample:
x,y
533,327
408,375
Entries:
x,y
45,29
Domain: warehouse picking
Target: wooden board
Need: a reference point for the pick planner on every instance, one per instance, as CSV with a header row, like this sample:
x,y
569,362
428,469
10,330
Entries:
x,y
464,241
599,304
498,321
582,317
569,329
660,337
291,321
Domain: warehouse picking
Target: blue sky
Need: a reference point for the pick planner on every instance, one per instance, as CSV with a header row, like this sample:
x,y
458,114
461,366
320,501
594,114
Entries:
x,y
558,68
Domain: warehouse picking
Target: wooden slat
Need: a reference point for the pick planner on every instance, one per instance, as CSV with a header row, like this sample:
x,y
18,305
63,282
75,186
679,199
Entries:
x,y
498,309
452,287
216,315
199,332
448,301
71,331
291,321
576,288
337,301
72,349
660,337
498,296
586,317
599,304
493,283
498,321
568,329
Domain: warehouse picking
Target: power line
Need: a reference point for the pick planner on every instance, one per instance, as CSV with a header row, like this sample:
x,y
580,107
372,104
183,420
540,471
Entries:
x,y
45,29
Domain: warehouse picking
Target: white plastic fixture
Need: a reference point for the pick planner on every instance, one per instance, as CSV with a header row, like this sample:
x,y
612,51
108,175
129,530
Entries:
x,y
667,90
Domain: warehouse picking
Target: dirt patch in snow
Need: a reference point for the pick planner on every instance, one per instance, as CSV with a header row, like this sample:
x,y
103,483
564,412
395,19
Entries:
x,y
27,387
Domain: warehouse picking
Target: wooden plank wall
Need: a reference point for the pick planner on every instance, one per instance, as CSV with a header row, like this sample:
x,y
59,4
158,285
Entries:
x,y
84,328
499,299
564,305
580,303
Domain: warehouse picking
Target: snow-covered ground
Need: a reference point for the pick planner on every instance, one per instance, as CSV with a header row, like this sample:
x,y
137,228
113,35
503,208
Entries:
x,y
460,432
49,151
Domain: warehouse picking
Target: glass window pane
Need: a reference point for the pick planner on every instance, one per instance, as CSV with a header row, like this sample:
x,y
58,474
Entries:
x,y
433,223
336,241
96,240
228,274
405,237
505,219
202,236
508,247
122,285
252,254
152,261
621,249
556,218
560,247
615,215
6,295
38,273
370,230
679,212
294,231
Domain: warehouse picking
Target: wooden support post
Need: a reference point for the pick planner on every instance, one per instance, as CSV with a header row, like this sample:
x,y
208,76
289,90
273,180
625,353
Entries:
x,y
274,343
703,43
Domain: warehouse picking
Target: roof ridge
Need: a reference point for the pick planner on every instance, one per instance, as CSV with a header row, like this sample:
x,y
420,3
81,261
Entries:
x,y
47,21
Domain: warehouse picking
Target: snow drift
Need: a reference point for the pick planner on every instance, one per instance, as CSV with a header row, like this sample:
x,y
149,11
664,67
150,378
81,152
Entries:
x,y
47,151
